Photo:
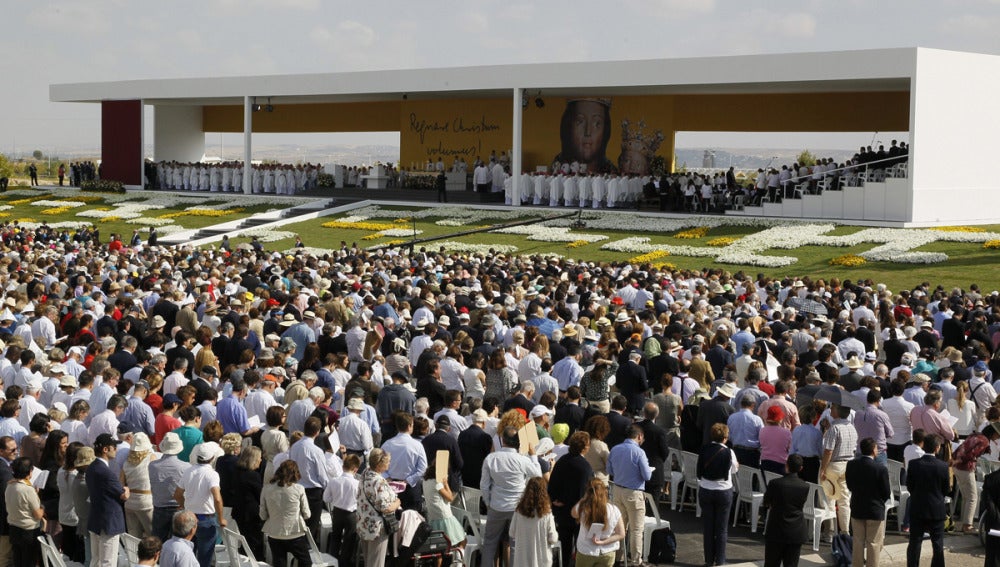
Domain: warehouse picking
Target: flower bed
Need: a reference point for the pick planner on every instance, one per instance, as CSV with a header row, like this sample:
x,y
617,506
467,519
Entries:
x,y
849,261
103,186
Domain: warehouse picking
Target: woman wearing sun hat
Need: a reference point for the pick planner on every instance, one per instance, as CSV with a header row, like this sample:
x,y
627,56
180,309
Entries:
x,y
135,475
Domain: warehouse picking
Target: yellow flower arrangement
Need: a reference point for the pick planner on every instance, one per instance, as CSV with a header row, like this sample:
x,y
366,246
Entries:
x,y
4,215
109,219
991,244
401,220
692,233
369,226
26,219
648,257
848,261
668,267
722,241
960,229
577,244
27,200
203,213
55,211
85,199
374,236
396,242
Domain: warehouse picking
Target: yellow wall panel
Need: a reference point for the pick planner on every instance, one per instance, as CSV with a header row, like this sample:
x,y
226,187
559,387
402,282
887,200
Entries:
x,y
617,133
449,129
804,112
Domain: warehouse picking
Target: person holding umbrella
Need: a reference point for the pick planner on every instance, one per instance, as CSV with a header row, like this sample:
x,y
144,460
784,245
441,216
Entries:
x,y
839,444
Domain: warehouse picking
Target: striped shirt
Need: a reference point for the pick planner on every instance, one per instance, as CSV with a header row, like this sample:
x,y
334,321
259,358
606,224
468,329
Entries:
x,y
841,439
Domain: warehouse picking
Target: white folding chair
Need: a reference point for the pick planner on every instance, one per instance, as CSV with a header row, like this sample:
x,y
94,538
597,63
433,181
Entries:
x,y
899,492
319,559
690,464
472,497
676,477
747,495
650,524
238,549
130,545
50,555
817,511
473,539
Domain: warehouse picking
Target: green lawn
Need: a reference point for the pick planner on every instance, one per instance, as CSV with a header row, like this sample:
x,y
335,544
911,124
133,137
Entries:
x,y
29,212
967,263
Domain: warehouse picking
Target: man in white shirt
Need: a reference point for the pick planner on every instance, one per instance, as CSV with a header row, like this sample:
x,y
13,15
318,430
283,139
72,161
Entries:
x,y
355,434
44,328
107,421
198,492
177,378
452,403
30,404
341,496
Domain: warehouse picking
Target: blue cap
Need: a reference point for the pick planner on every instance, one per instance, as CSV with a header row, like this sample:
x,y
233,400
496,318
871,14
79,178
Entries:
x,y
173,399
980,366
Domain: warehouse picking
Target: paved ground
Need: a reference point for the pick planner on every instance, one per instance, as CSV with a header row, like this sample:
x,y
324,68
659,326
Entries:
x,y
746,549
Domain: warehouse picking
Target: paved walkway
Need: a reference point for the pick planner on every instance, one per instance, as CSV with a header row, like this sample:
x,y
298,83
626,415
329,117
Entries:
x,y
747,550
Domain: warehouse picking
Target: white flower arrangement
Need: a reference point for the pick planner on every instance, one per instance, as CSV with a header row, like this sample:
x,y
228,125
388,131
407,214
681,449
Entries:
x,y
61,225
310,250
6,207
549,233
170,229
150,221
454,246
58,204
267,235
398,232
120,213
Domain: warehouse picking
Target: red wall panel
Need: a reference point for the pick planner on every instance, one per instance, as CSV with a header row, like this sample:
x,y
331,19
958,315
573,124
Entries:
x,y
121,141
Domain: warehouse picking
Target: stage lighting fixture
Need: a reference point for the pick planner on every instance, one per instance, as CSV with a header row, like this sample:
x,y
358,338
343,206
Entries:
x,y
539,102
524,100
268,107
254,106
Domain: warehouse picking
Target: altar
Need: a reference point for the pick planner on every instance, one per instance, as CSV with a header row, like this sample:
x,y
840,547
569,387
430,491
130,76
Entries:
x,y
375,179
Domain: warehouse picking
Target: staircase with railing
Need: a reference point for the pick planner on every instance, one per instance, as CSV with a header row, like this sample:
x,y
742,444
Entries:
x,y
875,191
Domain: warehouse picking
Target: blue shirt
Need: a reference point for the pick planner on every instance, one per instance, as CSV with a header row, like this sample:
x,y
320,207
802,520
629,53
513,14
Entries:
x,y
139,416
232,415
178,552
409,460
567,372
807,441
302,335
744,429
311,461
370,416
628,465
741,338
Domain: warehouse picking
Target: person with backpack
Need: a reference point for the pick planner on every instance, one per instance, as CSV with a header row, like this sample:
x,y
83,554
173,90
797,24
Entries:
x,y
868,481
786,523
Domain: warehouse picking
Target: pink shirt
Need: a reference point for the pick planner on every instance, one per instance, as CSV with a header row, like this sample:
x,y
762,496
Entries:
x,y
775,441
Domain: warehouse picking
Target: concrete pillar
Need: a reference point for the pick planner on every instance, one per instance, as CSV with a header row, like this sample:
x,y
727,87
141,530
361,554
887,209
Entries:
x,y
515,157
247,153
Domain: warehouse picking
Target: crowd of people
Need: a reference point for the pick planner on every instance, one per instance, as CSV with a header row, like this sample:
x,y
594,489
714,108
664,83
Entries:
x,y
572,185
275,179
171,393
